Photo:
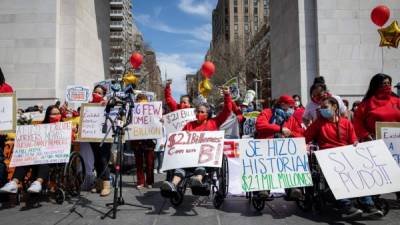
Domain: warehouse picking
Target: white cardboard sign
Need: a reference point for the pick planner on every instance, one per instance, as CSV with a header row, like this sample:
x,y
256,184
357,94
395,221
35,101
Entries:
x,y
368,169
175,121
77,94
8,113
269,164
42,144
193,149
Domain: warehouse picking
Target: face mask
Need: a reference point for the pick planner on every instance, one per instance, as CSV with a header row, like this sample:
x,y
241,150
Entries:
x,y
96,98
289,112
326,113
184,105
55,118
297,103
201,117
384,92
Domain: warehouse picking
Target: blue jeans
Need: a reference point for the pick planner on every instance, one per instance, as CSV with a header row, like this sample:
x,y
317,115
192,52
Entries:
x,y
367,201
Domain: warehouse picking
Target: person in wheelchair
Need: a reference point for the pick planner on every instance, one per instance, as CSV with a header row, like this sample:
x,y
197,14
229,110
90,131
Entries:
x,y
330,130
204,122
41,172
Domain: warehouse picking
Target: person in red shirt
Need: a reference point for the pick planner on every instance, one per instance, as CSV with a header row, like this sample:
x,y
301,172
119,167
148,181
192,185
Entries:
x,y
204,122
331,130
380,104
173,106
52,115
278,122
4,87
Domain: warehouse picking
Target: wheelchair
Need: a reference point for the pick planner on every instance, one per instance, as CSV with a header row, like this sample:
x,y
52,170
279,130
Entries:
x,y
257,199
216,183
319,196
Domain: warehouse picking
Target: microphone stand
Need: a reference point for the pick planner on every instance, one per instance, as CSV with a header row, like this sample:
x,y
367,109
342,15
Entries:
x,y
118,126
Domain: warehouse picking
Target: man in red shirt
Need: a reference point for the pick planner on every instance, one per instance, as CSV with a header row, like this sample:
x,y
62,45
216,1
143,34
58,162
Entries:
x,y
204,122
173,106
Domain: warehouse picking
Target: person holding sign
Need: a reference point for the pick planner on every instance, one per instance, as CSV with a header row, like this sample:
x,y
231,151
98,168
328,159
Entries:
x,y
331,131
380,104
204,122
173,106
53,115
278,122
102,153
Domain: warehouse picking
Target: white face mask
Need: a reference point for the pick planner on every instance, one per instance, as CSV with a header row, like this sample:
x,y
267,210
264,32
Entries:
x,y
297,103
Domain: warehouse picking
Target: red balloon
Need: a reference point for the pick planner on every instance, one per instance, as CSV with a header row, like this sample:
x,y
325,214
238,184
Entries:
x,y
380,15
136,60
208,69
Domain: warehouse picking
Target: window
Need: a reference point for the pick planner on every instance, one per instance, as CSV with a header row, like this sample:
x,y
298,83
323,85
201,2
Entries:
x,y
255,11
236,27
235,2
256,28
235,10
256,19
255,2
236,18
227,28
246,10
246,2
246,19
246,27
236,36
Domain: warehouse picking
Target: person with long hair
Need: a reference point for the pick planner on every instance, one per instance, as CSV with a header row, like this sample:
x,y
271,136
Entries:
x,y
331,130
380,104
204,122
101,153
318,91
41,172
4,87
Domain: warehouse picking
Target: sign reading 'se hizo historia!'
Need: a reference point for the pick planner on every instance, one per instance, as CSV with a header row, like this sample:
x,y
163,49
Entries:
x,y
193,149
364,170
269,164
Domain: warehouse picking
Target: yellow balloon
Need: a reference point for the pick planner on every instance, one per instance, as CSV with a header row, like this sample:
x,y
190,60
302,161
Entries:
x,y
130,78
205,87
390,36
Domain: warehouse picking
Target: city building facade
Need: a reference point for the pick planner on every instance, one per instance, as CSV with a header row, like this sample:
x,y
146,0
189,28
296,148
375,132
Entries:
x,y
46,45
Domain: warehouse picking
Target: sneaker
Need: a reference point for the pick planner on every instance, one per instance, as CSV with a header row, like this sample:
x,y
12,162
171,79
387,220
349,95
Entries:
x,y
155,171
194,182
140,186
372,211
351,213
168,187
10,187
149,186
35,187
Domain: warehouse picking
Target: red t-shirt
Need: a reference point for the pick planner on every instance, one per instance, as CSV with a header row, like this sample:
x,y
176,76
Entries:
x,y
375,110
5,88
325,133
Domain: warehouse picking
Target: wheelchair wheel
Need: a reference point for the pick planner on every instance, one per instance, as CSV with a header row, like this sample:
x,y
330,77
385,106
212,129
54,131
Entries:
x,y
74,174
218,200
60,196
258,203
224,180
177,199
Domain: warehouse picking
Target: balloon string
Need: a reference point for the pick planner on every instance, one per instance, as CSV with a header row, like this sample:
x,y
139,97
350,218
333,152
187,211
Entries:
x,y
382,62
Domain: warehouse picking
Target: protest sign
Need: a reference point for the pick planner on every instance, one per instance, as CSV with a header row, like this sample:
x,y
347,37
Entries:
x,y
175,121
231,151
368,169
193,149
8,113
146,121
249,125
77,94
233,85
42,144
268,164
91,124
390,133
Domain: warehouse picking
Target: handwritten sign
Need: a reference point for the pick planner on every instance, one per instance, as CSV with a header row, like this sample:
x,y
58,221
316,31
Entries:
x,y
233,85
91,124
77,94
269,164
176,120
368,169
390,133
42,144
146,121
193,149
8,113
249,127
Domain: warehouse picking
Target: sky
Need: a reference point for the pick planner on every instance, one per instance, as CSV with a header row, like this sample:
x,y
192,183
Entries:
x,y
180,33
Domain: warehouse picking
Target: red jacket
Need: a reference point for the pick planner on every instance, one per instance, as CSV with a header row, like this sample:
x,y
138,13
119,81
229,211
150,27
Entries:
x,y
5,88
265,129
173,106
238,112
375,110
212,124
325,133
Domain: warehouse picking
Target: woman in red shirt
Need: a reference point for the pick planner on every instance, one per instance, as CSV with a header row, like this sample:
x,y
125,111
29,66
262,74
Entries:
x,y
204,122
4,87
380,104
53,115
173,106
330,130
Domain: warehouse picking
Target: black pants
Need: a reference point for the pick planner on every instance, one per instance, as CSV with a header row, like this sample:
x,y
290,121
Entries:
x,y
38,171
101,158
